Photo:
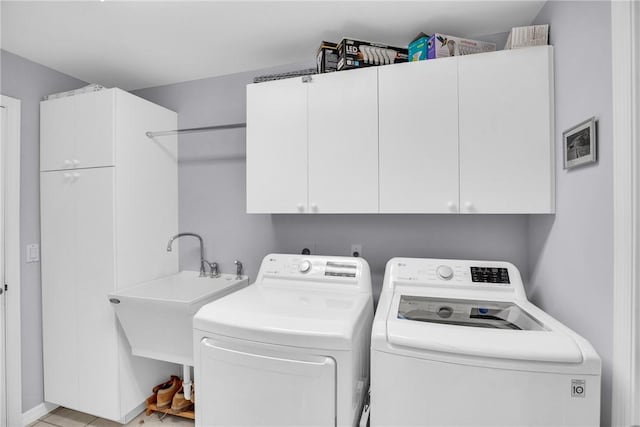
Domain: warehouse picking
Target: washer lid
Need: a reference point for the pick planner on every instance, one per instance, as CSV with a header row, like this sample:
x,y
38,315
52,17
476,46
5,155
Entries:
x,y
478,328
288,316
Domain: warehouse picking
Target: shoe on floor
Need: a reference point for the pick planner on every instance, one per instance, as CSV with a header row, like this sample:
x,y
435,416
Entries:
x,y
165,394
164,384
179,403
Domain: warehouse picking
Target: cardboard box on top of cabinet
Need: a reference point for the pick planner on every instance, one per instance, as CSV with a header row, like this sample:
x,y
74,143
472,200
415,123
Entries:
x,y
359,54
327,57
442,45
418,48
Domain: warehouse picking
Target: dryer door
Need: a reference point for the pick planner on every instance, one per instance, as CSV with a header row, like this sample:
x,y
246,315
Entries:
x,y
242,386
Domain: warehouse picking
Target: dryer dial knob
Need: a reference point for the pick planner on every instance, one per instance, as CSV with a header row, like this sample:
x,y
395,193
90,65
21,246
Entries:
x,y
305,266
445,272
445,312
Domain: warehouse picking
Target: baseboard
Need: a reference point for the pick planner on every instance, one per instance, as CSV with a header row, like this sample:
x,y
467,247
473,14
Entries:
x,y
37,412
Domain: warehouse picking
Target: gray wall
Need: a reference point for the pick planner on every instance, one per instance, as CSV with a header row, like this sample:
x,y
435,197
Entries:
x,y
571,254
29,82
213,200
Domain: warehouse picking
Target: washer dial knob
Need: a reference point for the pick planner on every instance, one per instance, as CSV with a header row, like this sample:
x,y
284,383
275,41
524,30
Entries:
x,y
445,272
305,266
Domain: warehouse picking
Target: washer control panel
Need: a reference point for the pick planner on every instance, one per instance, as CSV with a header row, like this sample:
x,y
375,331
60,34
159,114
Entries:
x,y
455,273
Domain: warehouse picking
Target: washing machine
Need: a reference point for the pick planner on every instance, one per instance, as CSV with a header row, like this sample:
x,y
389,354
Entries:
x,y
292,349
457,343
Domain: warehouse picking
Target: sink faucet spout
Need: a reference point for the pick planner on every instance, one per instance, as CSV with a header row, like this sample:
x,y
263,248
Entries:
x,y
197,236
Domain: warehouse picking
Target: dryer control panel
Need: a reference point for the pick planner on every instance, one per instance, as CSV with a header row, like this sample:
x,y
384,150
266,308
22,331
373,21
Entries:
x,y
315,270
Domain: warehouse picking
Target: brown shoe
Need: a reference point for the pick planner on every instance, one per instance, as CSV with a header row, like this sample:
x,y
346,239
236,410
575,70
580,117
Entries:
x,y
179,403
165,394
164,385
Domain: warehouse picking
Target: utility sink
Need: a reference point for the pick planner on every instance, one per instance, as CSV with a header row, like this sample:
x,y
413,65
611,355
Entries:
x,y
157,316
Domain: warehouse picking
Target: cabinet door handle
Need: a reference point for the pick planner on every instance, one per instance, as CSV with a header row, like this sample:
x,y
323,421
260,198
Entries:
x,y
314,207
451,206
300,207
469,206
67,163
75,176
67,175
75,162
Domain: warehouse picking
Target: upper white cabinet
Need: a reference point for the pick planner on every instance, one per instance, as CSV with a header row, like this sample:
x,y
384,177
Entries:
x,y
277,147
343,142
77,131
419,137
469,134
312,146
104,226
506,130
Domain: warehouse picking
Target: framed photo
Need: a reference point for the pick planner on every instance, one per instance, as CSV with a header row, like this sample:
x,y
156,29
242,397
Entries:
x,y
579,144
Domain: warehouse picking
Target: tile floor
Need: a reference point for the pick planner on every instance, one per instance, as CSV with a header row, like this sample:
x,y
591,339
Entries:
x,y
63,417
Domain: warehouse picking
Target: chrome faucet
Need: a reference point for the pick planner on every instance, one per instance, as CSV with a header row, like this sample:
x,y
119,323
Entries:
x,y
197,236
238,269
213,270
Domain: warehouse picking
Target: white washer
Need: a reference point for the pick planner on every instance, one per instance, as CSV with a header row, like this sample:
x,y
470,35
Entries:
x,y
457,343
290,350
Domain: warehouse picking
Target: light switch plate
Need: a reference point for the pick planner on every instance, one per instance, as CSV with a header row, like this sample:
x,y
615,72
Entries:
x,y
33,252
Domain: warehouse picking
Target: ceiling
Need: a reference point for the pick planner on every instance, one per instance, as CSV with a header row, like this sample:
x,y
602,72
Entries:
x,y
136,44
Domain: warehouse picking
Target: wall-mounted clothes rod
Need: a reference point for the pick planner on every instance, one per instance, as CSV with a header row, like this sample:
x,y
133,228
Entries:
x,y
195,130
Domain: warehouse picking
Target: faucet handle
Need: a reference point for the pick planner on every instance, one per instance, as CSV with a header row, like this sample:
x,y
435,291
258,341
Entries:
x,y
213,270
238,269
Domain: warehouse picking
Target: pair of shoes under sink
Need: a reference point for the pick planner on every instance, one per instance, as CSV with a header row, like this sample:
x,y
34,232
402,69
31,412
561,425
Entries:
x,y
170,395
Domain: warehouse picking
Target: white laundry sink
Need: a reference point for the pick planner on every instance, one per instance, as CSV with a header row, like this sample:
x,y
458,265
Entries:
x,y
157,315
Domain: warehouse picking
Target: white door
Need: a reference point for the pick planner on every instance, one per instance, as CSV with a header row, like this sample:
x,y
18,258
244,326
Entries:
x,y
94,266
277,147
251,387
3,381
418,113
506,131
343,142
59,298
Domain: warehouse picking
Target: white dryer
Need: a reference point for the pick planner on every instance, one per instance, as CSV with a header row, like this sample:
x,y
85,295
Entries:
x,y
457,343
290,350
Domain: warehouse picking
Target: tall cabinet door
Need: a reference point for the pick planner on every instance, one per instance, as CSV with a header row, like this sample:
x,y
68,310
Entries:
x,y
94,128
277,147
506,125
97,334
59,298
57,136
343,142
418,123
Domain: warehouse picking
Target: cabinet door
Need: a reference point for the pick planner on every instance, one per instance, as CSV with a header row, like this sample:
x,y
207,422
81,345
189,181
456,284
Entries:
x,y
418,113
77,131
97,338
343,142
277,147
94,129
59,299
57,122
506,131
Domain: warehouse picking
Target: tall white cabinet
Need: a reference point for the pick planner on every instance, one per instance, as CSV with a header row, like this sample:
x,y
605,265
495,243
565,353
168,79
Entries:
x,y
108,205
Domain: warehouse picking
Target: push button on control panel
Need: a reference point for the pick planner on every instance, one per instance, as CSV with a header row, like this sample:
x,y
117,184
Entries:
x,y
304,267
445,272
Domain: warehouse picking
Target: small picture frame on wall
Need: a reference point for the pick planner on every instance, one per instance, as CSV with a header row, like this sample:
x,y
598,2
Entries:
x,y
579,144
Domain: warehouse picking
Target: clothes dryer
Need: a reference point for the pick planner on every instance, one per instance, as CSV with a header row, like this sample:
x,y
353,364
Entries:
x,y
290,350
